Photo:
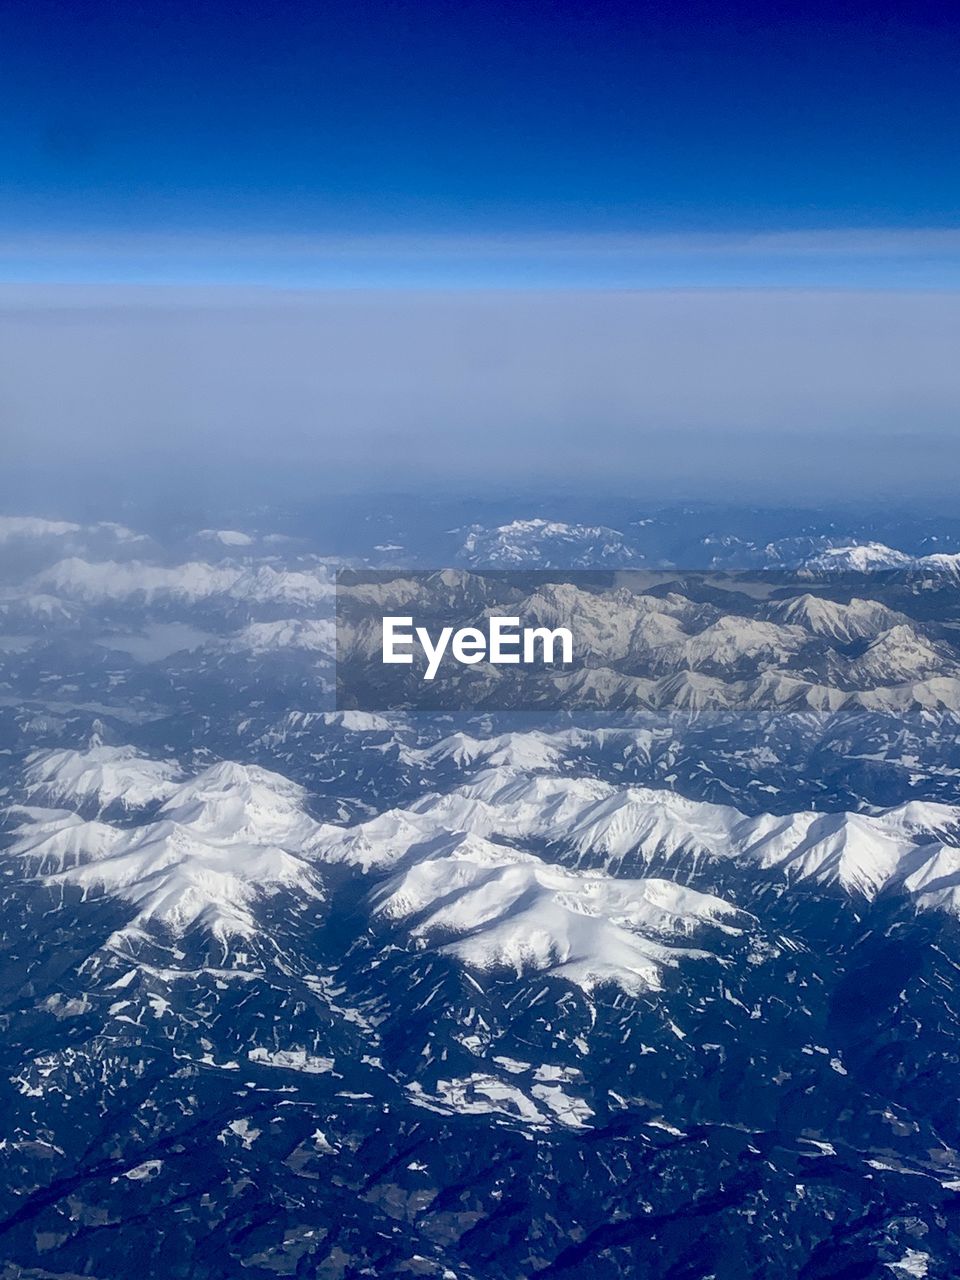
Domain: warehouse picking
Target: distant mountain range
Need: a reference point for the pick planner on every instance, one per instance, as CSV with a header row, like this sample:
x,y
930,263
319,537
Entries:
x,y
653,974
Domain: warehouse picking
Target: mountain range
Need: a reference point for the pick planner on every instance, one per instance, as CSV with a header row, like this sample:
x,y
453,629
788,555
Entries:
x,y
656,977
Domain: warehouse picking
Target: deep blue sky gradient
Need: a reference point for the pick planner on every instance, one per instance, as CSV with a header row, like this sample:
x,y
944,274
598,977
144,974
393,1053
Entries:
x,y
568,231
426,116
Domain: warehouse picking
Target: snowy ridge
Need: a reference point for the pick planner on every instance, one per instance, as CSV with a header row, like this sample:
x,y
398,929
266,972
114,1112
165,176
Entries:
x,y
863,853
532,751
311,635
546,544
666,652
696,693
672,633
99,581
863,557
17,607
858,620
456,587
729,642
510,909
870,557
101,775
232,834
460,867
898,655
51,840
614,624
218,843
669,651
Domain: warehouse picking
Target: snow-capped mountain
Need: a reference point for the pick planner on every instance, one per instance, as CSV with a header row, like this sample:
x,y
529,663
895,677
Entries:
x,y
898,655
100,777
312,635
657,979
213,842
614,624
547,544
692,693
872,557
834,620
22,610
232,834
696,644
597,823
868,557
216,843
506,908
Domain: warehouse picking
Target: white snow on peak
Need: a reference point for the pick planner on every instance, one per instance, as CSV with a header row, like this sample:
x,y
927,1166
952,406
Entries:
x,y
870,557
461,867
942,562
539,543
51,840
610,624
312,635
360,721
730,641
898,655
863,853
242,802
585,814
306,588
101,775
672,634
696,693
220,841
506,908
844,623
36,606
531,751
866,557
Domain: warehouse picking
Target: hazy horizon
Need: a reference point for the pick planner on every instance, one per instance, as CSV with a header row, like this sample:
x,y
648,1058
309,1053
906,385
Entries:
x,y
620,391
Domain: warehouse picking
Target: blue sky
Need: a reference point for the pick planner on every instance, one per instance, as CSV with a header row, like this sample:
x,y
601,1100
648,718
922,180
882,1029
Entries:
x,y
404,143
536,243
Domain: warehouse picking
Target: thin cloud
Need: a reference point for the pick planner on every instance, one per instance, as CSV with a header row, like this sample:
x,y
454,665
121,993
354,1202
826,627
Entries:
x,y
831,258
720,388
